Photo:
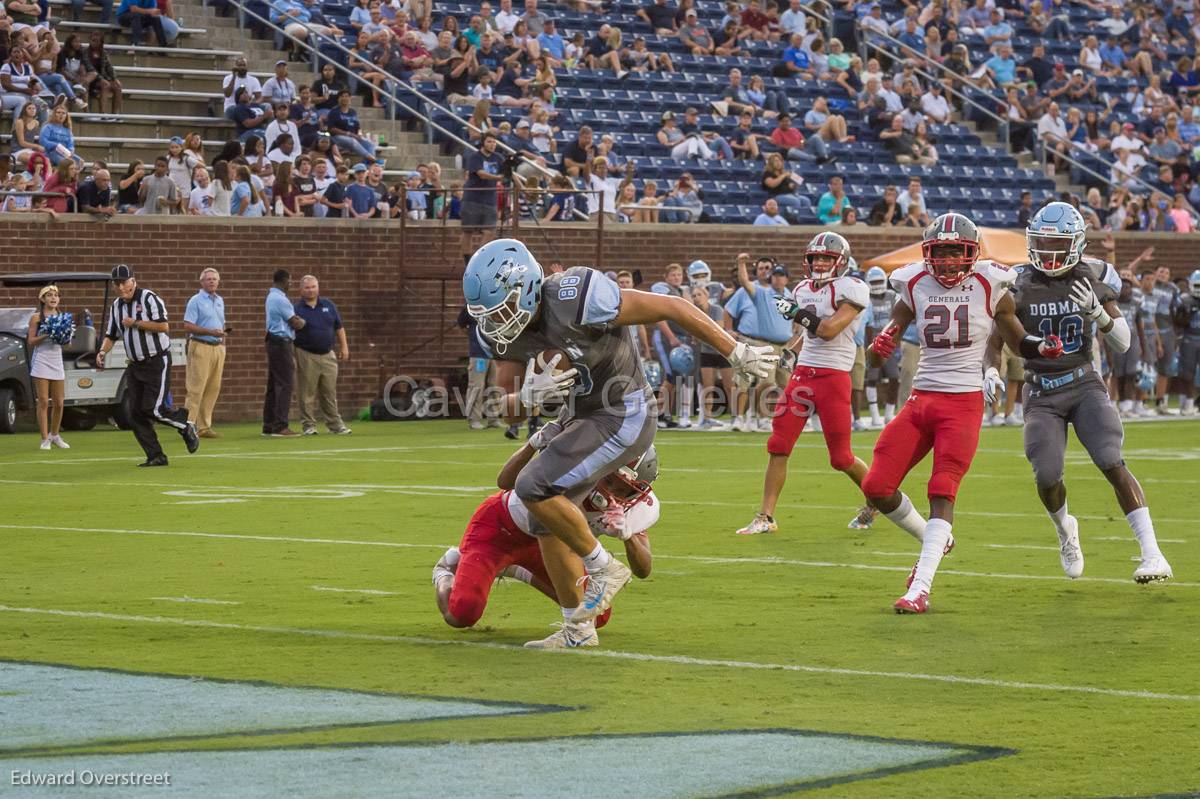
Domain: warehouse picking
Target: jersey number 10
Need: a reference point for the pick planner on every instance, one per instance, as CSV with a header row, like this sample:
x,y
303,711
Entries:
x,y
1070,330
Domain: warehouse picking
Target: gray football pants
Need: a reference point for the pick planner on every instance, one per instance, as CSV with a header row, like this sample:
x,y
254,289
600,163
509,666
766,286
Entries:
x,y
1086,406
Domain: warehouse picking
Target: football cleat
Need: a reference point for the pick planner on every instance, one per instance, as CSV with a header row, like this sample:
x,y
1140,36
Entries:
x,y
912,575
864,519
762,524
1152,569
1070,555
912,602
602,586
570,635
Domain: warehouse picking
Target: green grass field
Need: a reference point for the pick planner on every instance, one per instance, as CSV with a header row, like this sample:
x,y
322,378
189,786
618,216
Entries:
x,y
268,562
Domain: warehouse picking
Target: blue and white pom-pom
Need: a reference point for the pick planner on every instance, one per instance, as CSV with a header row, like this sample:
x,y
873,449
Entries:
x,y
60,328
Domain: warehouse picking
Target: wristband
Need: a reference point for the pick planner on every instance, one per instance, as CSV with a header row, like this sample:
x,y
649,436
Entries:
x,y
1029,347
807,320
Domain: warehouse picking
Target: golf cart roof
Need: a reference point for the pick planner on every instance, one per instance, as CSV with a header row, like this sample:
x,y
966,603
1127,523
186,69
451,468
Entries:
x,y
45,278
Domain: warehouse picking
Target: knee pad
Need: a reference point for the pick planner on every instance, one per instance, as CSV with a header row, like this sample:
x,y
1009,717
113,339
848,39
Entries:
x,y
876,486
466,605
780,444
1045,476
943,484
530,486
841,459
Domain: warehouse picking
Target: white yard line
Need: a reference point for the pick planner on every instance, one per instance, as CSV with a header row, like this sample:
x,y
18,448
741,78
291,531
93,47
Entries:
x,y
1024,546
371,591
731,560
678,660
197,600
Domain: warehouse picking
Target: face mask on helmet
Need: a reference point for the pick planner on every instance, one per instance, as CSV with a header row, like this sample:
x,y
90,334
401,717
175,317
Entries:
x,y
950,262
1053,253
503,323
823,266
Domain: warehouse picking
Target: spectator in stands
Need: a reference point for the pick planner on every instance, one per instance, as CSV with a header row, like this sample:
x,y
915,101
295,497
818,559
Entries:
x,y
1045,25
180,166
560,207
911,37
640,59
1080,89
886,212
874,27
483,177
285,150
157,192
743,140
105,85
454,67
248,118
1002,67
792,20
695,37
603,195
64,181
361,63
533,18
96,196
280,88
648,204
579,153
784,185
137,15
716,143
797,62
128,188
998,31
1020,129
726,41
770,215
1036,68
19,85
280,125
914,196
200,198
1025,209
684,194
934,105
247,198
660,17
833,203
680,145
239,78
829,127
756,23
26,131
57,138
360,15
44,58
342,123
792,142
1052,134
738,97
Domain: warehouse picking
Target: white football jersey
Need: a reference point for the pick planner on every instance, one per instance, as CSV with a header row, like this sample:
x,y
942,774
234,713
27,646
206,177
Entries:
x,y
838,352
640,518
953,324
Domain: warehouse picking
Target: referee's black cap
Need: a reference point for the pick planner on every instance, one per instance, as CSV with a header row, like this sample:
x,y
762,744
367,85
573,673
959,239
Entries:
x,y
122,272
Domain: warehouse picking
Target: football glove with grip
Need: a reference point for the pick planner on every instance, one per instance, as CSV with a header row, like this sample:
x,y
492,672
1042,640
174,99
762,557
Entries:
x,y
540,388
753,362
1051,347
613,523
787,306
1088,302
792,310
787,360
993,385
885,343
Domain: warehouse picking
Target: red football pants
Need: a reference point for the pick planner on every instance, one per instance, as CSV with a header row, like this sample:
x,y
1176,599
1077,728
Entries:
x,y
491,543
946,423
810,390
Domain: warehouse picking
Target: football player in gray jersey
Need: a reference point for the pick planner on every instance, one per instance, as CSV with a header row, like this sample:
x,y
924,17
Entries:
x,y
584,316
1188,318
1061,293
883,382
1154,344
1167,299
1124,367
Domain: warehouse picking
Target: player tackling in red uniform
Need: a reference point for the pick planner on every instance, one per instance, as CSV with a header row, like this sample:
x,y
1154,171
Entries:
x,y
828,307
955,299
504,539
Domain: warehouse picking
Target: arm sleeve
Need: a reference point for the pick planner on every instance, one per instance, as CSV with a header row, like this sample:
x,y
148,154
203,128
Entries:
x,y
600,301
113,330
1119,335
191,312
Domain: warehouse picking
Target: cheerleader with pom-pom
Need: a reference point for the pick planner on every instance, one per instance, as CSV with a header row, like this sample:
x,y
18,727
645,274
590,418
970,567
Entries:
x,y
49,330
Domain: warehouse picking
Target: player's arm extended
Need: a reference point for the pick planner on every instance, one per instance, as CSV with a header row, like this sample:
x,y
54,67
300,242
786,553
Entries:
x,y
644,308
637,553
507,479
1013,333
902,317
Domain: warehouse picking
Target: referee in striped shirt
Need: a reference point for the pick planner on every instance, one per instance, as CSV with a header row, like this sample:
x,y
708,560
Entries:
x,y
139,318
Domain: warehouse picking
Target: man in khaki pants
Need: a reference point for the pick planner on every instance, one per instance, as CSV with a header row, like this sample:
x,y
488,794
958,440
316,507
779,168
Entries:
x,y
204,321
316,363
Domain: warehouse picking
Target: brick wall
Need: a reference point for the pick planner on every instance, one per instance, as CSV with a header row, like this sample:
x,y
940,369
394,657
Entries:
x,y
396,286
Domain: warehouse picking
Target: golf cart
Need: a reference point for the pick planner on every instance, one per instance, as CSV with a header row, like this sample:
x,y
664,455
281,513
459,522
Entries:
x,y
92,395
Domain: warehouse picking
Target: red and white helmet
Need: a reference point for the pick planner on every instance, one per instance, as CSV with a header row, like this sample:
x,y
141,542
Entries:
x,y
827,244
951,248
627,486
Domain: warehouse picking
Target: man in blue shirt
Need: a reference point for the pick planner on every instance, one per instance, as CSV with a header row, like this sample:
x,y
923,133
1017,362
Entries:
x,y
1111,54
998,31
363,200
316,362
342,123
282,324
1003,67
204,322
138,15
759,323
484,173
796,59
552,43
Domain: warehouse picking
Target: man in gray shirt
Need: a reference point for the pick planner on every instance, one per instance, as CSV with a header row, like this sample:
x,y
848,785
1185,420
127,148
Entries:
x,y
158,193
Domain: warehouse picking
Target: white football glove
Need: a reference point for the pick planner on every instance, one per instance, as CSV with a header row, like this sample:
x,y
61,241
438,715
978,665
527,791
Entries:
x,y
787,360
1085,297
753,362
613,523
541,388
544,435
993,385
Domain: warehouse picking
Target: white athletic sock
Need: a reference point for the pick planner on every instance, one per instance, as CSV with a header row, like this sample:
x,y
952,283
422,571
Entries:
x,y
597,559
1018,410
519,573
1143,531
567,613
452,557
907,519
875,417
1059,517
937,534
1125,405
872,393
1185,403
889,410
